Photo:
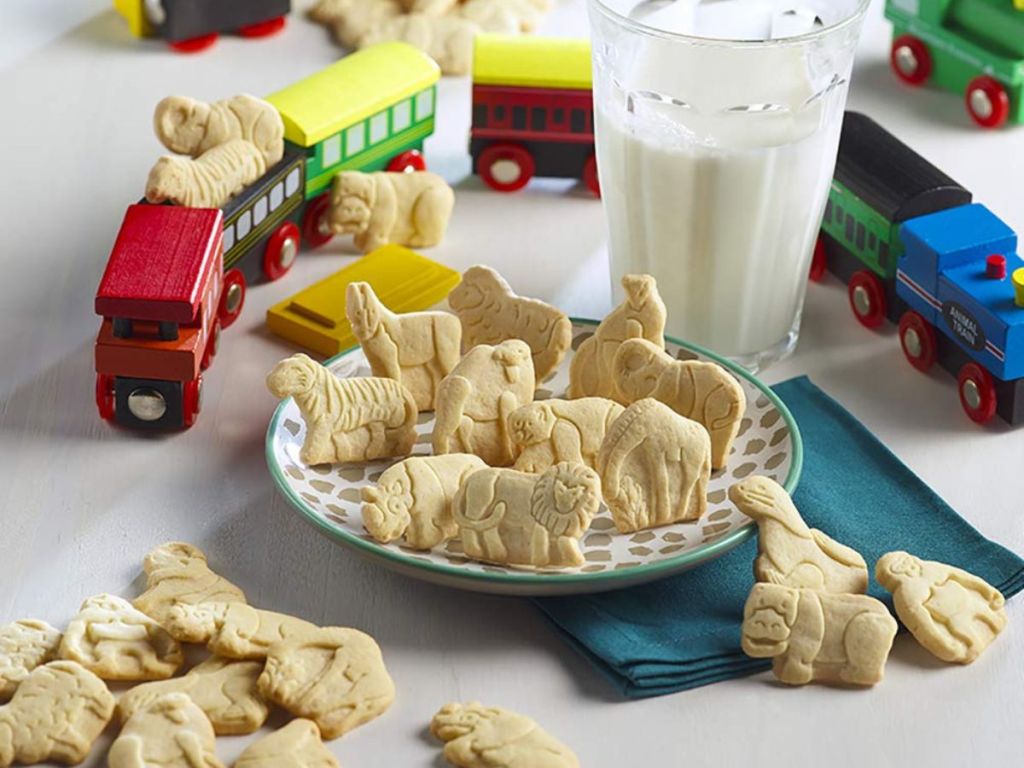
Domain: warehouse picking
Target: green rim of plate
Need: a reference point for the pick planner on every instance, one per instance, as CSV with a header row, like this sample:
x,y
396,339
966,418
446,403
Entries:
x,y
672,564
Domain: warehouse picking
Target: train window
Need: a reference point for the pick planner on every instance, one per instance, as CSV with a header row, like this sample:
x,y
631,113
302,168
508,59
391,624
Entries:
x,y
860,235
480,115
828,209
839,215
538,119
558,116
243,225
850,224
577,121
291,184
872,241
259,211
378,128
425,104
883,254
330,151
277,196
401,115
499,114
229,237
519,118
355,139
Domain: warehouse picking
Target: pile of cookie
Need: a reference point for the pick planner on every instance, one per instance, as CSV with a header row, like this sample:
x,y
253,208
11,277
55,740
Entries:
x,y
518,482
331,679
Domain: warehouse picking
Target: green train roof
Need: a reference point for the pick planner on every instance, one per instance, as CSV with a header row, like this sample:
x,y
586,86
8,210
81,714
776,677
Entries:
x,y
889,176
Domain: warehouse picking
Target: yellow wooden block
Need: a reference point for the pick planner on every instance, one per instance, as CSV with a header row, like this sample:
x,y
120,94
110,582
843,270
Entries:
x,y
405,281
134,14
532,62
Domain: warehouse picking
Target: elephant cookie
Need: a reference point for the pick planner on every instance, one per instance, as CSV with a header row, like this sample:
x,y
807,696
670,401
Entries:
x,y
356,419
702,391
233,630
550,431
224,689
952,613
811,635
414,498
417,349
334,676
789,552
24,645
117,642
491,312
56,715
510,517
178,573
170,732
655,466
191,127
476,736
641,316
296,745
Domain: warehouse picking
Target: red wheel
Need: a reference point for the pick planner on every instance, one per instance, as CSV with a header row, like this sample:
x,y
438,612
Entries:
x,y
819,262
590,177
410,160
911,60
263,28
917,337
105,401
988,104
194,44
232,297
505,167
211,345
314,223
867,298
977,393
282,248
191,400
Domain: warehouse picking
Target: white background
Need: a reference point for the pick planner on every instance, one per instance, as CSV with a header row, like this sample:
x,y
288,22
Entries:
x,y
81,503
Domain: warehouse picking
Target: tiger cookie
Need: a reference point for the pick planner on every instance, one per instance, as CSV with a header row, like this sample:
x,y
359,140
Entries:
x,y
233,630
224,689
24,645
170,732
178,573
55,715
118,642
954,614
550,431
296,745
491,312
476,736
334,676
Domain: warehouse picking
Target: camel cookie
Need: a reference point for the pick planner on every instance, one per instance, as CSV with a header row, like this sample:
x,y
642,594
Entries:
x,y
475,400
655,466
702,391
448,40
410,209
952,613
789,552
476,736
225,690
334,676
510,517
417,349
233,630
550,431
414,498
178,573
350,20
117,642
641,316
207,181
56,715
356,419
296,745
191,127
24,645
491,313
811,635
171,732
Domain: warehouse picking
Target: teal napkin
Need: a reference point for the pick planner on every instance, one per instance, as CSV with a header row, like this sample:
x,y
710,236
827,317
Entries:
x,y
684,631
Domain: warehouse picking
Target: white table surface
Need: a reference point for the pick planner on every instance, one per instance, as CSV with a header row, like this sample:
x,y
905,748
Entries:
x,y
81,503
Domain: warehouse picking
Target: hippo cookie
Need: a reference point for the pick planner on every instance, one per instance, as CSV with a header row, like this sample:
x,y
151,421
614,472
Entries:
x,y
24,645
296,745
178,573
550,431
170,732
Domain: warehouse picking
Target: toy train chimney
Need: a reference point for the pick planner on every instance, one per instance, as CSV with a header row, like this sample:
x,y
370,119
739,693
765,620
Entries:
x,y
995,267
1018,286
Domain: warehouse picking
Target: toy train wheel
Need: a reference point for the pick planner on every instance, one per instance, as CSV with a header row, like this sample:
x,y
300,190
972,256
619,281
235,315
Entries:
x,y
194,44
911,60
505,167
819,262
590,177
105,398
191,400
314,223
988,104
408,161
263,28
977,393
232,297
281,251
211,346
917,338
867,299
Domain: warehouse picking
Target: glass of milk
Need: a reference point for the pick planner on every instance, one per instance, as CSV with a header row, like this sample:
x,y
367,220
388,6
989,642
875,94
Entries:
x,y
717,126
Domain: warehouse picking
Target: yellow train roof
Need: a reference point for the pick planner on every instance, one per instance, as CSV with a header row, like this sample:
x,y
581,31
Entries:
x,y
352,89
531,62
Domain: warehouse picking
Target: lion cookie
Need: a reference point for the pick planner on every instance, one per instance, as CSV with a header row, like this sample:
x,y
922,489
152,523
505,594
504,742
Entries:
x,y
170,732
789,552
233,630
296,745
513,518
811,635
334,676
476,736
117,642
355,419
491,312
417,349
191,127
550,431
952,613
655,466
414,498
24,645
178,573
475,400
56,715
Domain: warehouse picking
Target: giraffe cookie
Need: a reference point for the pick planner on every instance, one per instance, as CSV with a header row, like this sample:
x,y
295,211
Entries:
x,y
24,645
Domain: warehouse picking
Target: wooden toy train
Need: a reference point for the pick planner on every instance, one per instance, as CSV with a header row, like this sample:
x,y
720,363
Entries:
x,y
189,26
913,248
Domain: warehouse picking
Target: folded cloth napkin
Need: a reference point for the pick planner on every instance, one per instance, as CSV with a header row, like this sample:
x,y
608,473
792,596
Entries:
x,y
684,631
